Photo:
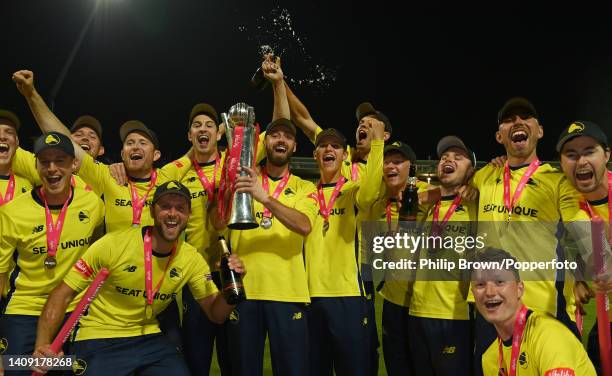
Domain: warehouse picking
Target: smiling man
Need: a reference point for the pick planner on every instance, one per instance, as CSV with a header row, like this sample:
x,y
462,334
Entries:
x,y
126,204
11,185
528,343
121,322
585,154
45,232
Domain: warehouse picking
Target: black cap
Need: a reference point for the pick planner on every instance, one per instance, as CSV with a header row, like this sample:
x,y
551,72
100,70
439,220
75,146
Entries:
x,y
53,140
281,122
9,115
401,148
448,142
206,109
513,104
366,109
331,132
87,121
582,128
172,187
136,125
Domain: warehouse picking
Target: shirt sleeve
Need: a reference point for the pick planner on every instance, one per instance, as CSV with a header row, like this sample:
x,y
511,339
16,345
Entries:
x,y
95,174
95,258
370,182
569,201
566,351
307,201
8,239
24,164
200,281
177,169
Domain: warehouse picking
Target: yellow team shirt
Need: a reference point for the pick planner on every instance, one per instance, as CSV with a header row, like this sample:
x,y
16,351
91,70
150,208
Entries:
x,y
548,348
274,256
118,198
445,299
119,308
395,290
24,164
23,234
533,233
199,232
333,258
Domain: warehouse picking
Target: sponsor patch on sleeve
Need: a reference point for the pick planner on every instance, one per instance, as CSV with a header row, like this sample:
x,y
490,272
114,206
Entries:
x,y
178,164
560,372
82,267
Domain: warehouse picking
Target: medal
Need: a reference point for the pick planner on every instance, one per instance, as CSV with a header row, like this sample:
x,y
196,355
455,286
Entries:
x,y
325,227
326,209
148,312
50,262
266,223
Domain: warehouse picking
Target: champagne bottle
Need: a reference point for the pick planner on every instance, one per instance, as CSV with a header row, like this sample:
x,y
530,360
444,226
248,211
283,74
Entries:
x,y
231,282
410,198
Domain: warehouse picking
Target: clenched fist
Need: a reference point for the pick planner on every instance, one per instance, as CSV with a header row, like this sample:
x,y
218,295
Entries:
x,y
24,80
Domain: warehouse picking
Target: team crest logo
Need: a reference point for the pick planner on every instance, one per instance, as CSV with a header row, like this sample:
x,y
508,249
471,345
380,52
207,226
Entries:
x,y
396,143
234,317
52,140
576,127
289,192
523,360
79,367
173,185
130,268
84,216
175,273
3,345
365,321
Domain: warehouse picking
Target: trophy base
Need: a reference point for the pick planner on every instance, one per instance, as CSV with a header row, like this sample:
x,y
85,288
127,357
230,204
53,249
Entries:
x,y
243,225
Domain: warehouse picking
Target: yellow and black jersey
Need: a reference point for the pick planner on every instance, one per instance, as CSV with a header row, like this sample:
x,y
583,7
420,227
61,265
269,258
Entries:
x,y
548,348
332,257
119,308
274,256
533,233
396,289
447,298
118,198
23,239
24,164
199,232
22,185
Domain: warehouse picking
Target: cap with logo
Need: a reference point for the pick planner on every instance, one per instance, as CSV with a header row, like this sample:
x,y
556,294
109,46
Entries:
x,y
137,126
448,142
282,122
53,140
400,147
331,132
366,109
172,187
206,109
582,128
87,121
10,116
514,104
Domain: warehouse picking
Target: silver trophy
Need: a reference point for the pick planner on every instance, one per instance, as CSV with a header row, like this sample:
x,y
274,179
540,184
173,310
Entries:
x,y
241,115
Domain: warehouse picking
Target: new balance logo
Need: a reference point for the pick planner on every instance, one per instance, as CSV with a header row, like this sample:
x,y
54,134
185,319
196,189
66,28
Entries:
x,y
130,269
449,350
297,316
37,229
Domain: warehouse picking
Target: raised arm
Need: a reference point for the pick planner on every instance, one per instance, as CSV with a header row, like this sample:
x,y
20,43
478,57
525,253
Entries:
x,y
300,115
273,73
46,119
370,183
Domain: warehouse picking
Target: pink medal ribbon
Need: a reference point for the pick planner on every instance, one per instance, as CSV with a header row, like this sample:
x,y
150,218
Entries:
x,y
437,227
148,258
355,171
53,231
509,204
517,337
326,209
279,188
208,185
139,202
10,190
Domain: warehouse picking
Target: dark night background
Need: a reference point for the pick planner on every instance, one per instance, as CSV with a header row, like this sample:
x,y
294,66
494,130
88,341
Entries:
x,y
434,69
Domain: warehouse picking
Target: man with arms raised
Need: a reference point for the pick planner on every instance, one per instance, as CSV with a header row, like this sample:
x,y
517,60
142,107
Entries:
x,y
120,334
45,231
